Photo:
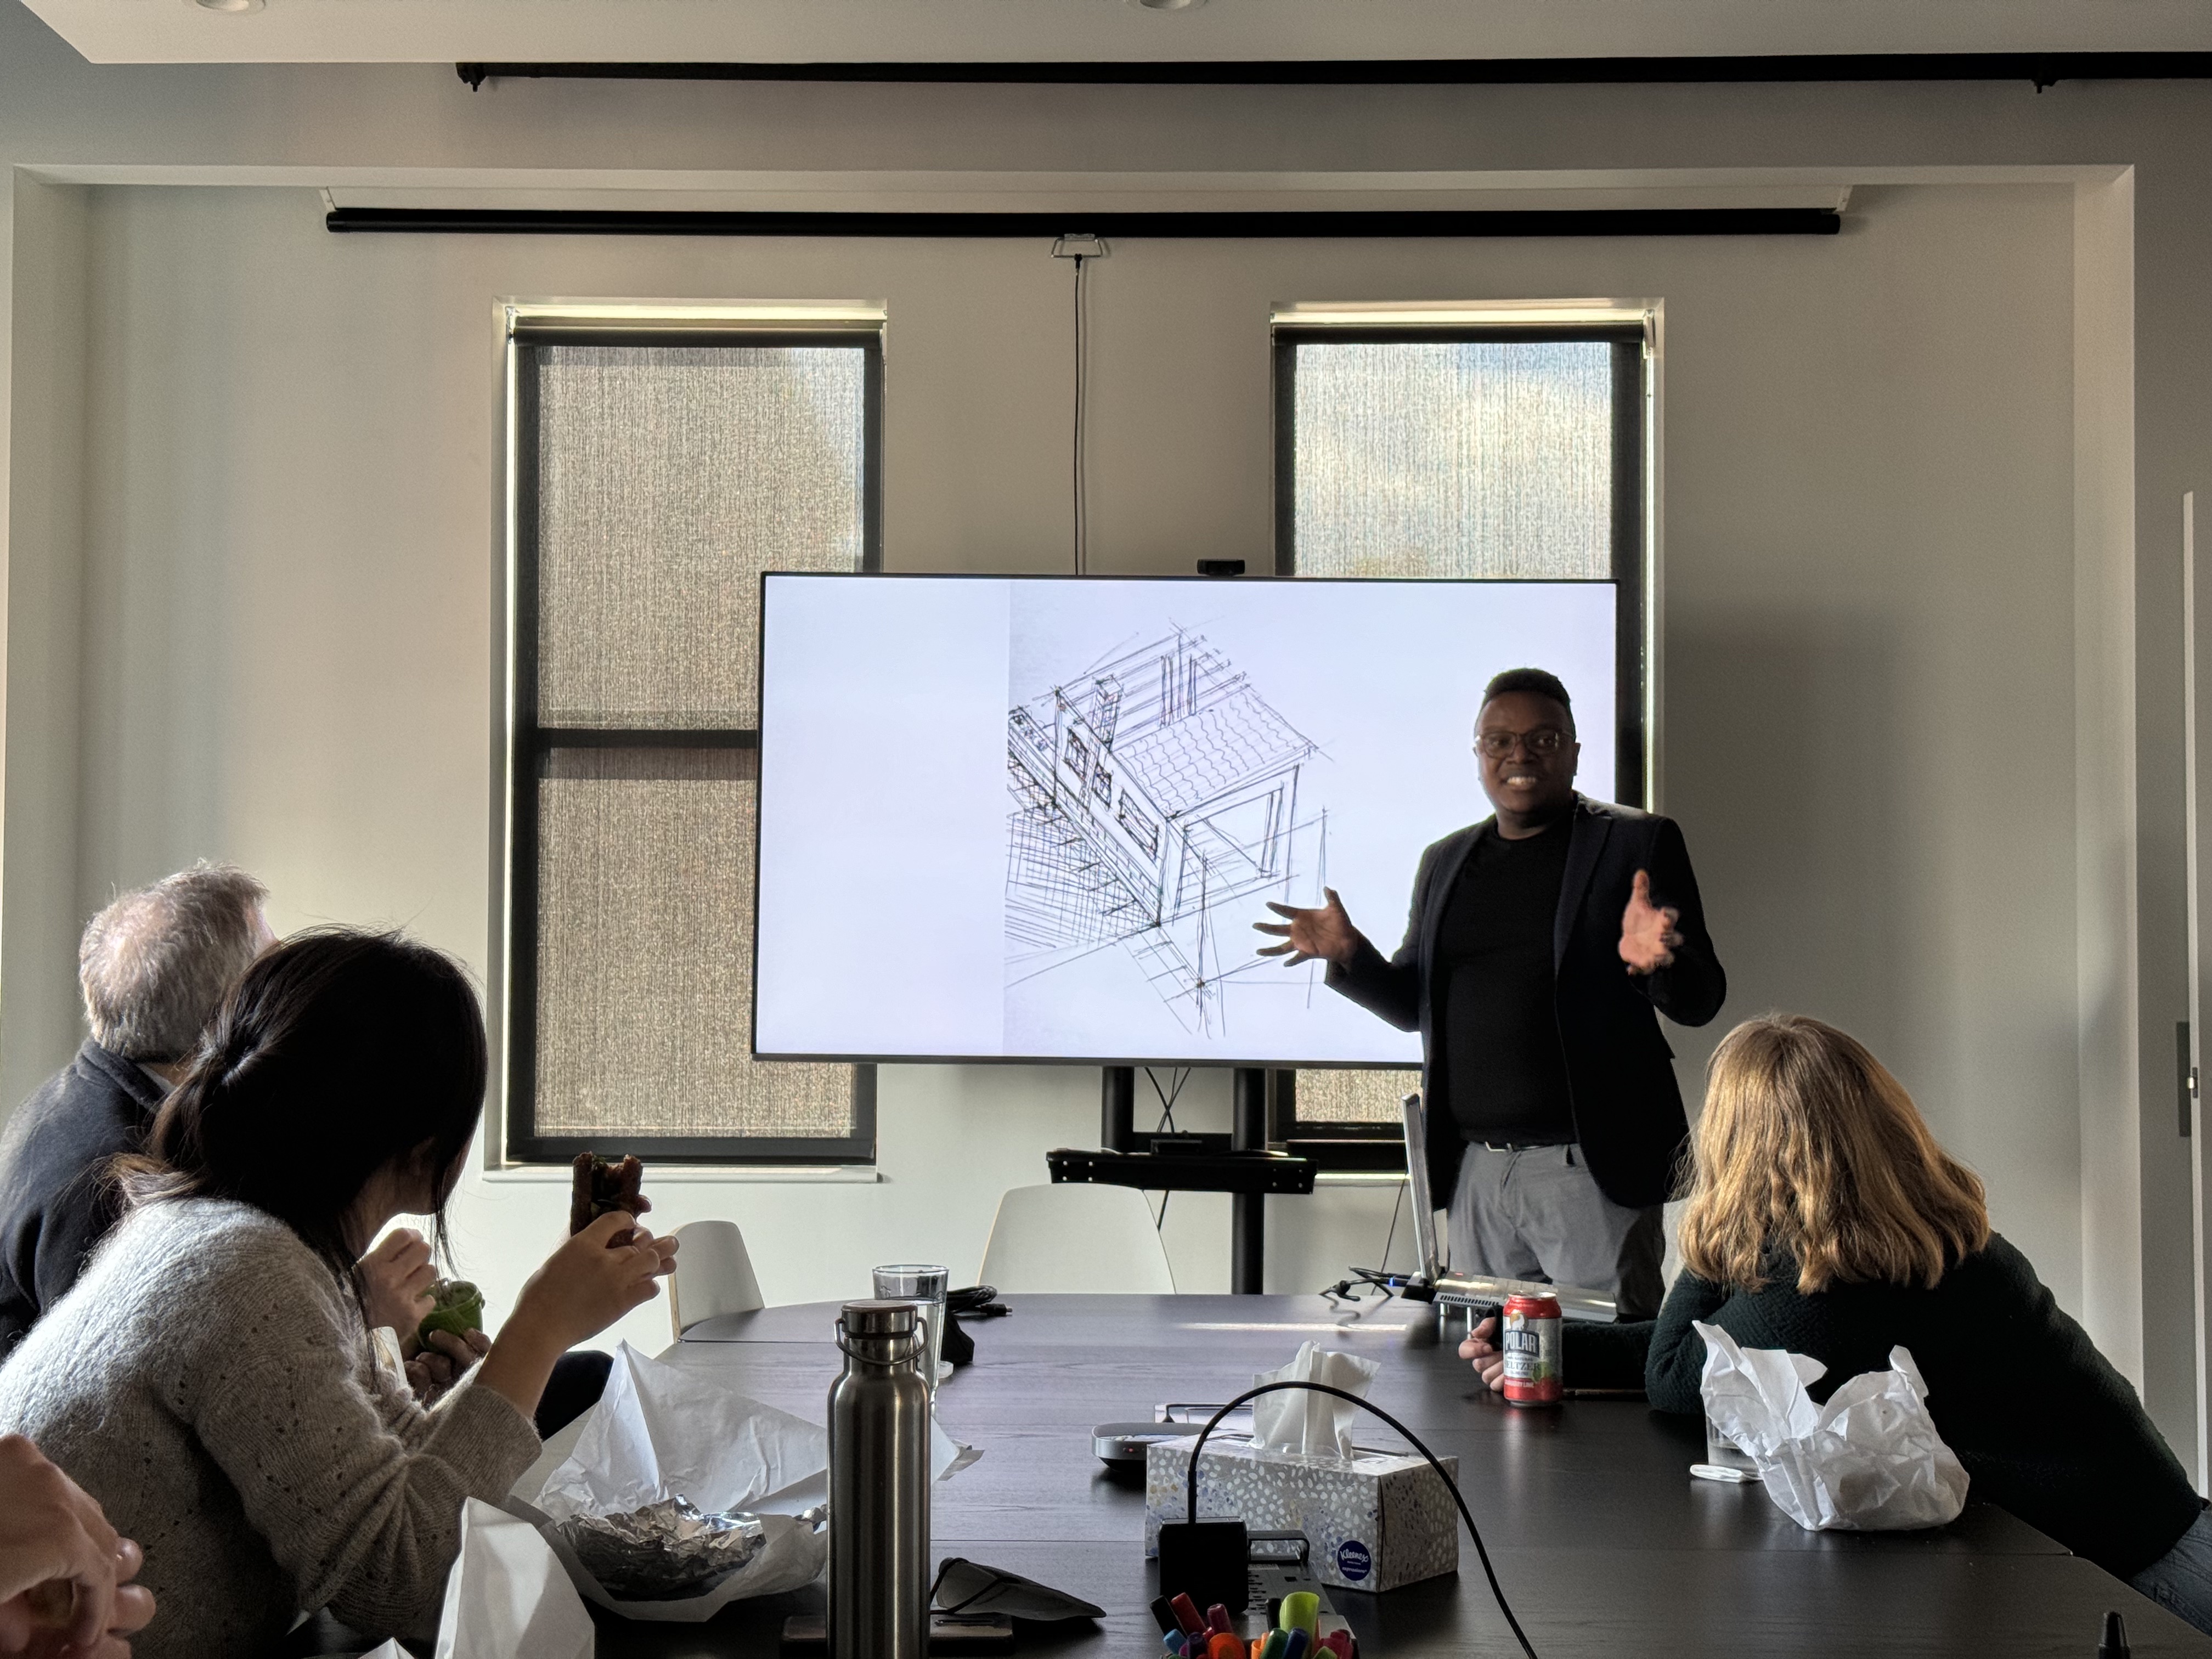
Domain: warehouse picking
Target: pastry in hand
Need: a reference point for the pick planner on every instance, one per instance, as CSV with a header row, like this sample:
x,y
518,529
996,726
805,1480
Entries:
x,y
602,1184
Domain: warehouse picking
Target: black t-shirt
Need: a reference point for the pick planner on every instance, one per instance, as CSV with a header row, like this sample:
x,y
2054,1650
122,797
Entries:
x,y
1503,1068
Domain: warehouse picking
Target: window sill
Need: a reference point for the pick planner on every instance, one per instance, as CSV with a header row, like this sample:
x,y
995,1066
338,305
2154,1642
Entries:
x,y
663,1175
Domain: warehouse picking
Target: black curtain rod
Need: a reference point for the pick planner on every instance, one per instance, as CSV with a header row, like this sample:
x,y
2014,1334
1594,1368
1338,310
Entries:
x,y
2040,68
1394,222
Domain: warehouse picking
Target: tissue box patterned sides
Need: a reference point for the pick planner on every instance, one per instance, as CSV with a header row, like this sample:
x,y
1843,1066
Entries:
x,y
1374,1520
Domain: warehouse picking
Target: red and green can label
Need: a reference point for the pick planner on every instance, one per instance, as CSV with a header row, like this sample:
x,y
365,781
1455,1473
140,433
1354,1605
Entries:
x,y
1532,1350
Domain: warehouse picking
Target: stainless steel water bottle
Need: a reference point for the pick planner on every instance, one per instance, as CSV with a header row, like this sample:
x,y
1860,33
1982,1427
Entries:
x,y
880,1486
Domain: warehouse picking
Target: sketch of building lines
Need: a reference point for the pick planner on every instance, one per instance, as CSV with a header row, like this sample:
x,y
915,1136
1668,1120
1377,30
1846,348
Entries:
x,y
1150,792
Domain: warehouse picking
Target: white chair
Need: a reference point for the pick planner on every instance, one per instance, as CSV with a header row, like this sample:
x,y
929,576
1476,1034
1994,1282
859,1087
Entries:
x,y
1076,1238
714,1275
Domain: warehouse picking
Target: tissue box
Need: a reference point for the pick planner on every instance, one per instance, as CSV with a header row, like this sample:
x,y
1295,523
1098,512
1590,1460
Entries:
x,y
1374,1520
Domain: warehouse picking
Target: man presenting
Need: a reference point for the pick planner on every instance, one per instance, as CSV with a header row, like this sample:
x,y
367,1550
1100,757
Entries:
x,y
1541,942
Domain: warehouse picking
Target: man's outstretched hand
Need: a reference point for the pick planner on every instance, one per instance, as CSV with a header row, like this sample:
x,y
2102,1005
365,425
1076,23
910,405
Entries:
x,y
1648,938
1326,934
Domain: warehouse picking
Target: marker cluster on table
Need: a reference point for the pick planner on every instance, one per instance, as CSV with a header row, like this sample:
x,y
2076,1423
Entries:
x,y
1296,1635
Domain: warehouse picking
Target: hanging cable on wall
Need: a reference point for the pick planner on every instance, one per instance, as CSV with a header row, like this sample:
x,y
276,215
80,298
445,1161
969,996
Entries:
x,y
1080,249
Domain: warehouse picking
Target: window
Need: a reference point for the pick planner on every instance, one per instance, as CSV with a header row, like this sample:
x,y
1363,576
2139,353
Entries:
x,y
1483,450
657,466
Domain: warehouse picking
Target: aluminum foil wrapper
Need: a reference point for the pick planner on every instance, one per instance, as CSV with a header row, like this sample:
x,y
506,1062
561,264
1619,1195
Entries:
x,y
664,1550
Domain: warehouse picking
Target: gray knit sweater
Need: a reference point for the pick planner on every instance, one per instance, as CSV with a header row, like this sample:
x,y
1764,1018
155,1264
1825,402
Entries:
x,y
209,1383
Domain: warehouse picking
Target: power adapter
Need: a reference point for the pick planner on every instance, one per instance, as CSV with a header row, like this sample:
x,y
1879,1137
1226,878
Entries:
x,y
1209,1561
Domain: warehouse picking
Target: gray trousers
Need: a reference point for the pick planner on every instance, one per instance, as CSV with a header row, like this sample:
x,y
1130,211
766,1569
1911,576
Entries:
x,y
1536,1213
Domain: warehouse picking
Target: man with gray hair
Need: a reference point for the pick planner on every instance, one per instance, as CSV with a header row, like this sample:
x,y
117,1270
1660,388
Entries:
x,y
153,966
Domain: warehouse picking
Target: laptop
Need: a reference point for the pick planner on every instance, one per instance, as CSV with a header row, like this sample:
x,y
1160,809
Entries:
x,y
1473,1291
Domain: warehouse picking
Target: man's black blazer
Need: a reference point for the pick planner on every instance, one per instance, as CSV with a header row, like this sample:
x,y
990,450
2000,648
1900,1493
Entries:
x,y
1620,1074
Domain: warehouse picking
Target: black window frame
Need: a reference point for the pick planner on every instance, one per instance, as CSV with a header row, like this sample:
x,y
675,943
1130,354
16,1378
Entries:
x,y
529,744
1377,1146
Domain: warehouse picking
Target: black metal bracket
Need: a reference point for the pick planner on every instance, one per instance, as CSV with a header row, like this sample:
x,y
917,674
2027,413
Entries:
x,y
2038,68
1235,225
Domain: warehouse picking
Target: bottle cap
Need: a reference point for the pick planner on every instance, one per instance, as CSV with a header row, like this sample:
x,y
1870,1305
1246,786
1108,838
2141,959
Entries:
x,y
873,1318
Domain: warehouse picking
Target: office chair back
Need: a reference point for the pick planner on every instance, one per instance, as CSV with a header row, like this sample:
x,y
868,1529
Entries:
x,y
1075,1237
714,1275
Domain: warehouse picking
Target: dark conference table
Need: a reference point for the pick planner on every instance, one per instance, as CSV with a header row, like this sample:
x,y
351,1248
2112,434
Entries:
x,y
1603,1542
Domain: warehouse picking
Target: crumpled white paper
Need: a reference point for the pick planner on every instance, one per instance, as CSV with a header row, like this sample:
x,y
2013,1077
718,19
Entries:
x,y
662,1431
1311,1424
507,1597
1868,1461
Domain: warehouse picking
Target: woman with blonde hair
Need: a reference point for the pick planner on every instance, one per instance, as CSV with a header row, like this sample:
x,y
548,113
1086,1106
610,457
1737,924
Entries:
x,y
1824,1218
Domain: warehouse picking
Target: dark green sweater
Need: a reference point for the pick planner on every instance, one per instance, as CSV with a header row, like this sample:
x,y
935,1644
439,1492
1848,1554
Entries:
x,y
2043,1425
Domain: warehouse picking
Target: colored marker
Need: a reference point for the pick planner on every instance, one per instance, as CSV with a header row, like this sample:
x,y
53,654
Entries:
x,y
1165,1614
1296,1646
1216,1618
1302,1611
1186,1613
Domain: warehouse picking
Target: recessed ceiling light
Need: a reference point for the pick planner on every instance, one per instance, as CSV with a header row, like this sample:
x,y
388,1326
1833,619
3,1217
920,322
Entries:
x,y
230,5
1149,5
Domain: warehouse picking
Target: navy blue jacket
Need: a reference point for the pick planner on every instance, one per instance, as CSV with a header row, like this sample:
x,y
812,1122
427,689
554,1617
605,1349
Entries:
x,y
56,1201
1620,1072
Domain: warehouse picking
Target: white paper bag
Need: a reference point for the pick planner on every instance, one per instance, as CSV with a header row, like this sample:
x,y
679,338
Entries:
x,y
508,1597
1311,1424
1868,1461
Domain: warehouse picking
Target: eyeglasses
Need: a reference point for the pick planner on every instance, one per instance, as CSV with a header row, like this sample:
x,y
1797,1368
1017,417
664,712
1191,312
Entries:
x,y
1544,740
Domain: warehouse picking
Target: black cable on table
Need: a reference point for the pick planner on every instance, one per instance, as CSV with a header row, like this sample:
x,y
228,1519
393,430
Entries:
x,y
1190,1510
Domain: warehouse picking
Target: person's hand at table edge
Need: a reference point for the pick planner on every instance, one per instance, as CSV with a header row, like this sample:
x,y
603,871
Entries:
x,y
1489,1359
64,1573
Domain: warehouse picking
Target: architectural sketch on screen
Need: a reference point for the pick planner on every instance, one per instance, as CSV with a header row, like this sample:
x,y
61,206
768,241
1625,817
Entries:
x,y
1151,791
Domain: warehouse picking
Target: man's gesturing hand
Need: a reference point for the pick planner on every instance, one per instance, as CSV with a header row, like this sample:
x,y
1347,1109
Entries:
x,y
1326,932
1648,938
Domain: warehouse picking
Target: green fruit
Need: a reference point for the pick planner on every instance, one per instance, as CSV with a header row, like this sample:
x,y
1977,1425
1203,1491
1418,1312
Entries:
x,y
459,1309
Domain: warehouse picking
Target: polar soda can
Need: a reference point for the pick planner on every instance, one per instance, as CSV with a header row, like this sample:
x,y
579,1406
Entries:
x,y
1532,1350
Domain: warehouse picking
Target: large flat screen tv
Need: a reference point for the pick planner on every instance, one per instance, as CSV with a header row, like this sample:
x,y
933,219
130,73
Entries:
x,y
1034,818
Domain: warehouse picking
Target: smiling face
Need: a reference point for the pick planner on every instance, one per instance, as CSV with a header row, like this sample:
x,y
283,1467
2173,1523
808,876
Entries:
x,y
1524,744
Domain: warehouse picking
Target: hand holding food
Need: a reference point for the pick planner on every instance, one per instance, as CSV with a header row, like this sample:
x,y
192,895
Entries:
x,y
456,1306
397,1280
604,1185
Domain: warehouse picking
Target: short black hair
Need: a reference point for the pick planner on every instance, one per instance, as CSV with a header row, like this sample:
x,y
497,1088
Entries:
x,y
1538,681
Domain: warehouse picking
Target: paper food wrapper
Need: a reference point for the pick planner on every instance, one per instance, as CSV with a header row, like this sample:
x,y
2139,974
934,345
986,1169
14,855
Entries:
x,y
1868,1461
507,1597
1311,1424
662,1431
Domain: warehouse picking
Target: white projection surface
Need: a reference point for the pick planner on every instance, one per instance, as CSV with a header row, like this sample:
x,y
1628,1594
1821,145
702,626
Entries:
x,y
1034,818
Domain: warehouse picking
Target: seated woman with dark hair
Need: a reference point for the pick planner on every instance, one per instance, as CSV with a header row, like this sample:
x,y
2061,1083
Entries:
x,y
1824,1218
210,1379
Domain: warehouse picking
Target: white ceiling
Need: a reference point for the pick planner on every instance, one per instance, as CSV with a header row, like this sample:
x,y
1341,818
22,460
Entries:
x,y
1022,31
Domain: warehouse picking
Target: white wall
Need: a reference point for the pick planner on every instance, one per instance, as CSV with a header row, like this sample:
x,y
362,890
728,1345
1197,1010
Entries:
x,y
289,592
1790,631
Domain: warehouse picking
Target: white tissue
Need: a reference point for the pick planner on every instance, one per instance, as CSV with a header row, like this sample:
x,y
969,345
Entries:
x,y
1868,1461
1311,1424
664,1431
507,1597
